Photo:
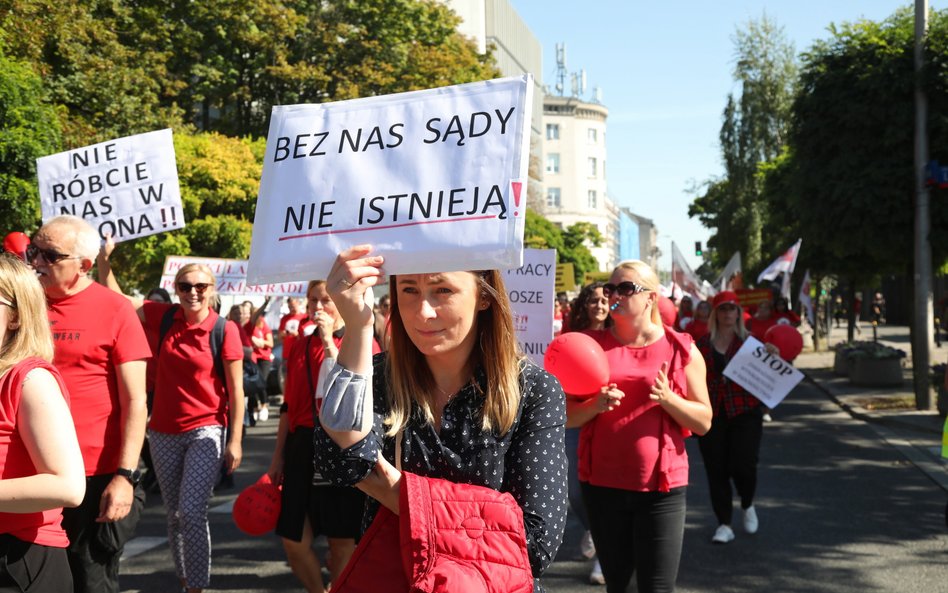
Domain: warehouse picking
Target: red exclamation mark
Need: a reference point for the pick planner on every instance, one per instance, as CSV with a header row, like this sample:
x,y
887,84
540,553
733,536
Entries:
x,y
515,185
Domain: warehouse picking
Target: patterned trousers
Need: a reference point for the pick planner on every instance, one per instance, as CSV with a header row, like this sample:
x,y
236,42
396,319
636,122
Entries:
x,y
187,466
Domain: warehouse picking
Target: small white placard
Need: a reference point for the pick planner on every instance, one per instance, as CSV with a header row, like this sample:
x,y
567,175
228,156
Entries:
x,y
434,180
530,289
766,376
231,275
126,188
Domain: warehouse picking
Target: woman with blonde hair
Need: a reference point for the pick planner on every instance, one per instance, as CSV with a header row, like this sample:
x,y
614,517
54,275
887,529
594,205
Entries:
x,y
731,448
452,399
40,462
633,467
198,396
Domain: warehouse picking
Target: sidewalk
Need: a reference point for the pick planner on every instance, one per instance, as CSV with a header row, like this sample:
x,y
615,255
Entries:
x,y
890,410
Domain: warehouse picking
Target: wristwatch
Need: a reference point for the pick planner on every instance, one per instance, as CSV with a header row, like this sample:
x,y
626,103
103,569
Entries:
x,y
132,475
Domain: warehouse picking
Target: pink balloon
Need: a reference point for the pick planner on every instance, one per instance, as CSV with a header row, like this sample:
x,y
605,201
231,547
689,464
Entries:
x,y
787,339
578,362
257,508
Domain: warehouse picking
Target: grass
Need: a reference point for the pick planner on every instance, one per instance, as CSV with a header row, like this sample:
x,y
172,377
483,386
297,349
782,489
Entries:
x,y
887,402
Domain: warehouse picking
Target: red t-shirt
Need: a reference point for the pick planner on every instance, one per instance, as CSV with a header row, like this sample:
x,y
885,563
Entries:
x,y
297,393
637,446
290,323
759,327
259,331
44,527
94,331
188,392
696,329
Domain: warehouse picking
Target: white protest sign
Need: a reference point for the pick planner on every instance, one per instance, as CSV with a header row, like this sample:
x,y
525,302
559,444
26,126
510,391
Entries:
x,y
766,376
231,275
126,188
434,180
530,289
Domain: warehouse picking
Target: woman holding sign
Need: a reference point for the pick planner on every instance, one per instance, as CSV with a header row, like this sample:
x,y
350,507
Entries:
x,y
633,467
452,407
730,449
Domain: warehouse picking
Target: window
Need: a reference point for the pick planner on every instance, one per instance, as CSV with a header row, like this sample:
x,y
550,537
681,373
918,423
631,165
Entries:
x,y
592,199
592,135
553,197
553,162
552,131
592,166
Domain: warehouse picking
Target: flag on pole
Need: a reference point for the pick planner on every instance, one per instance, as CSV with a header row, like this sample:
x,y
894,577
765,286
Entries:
x,y
805,299
782,265
683,276
730,278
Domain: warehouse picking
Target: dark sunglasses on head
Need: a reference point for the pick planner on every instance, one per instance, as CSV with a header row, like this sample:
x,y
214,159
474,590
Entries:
x,y
623,289
186,287
49,256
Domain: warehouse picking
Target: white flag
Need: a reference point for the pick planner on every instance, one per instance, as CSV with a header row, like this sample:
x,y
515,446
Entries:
x,y
784,263
727,279
805,299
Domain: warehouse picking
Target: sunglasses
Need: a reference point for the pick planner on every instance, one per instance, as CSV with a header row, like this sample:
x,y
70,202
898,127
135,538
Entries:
x,y
186,287
623,289
49,256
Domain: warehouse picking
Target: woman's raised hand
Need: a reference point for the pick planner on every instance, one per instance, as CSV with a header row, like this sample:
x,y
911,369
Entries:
x,y
352,273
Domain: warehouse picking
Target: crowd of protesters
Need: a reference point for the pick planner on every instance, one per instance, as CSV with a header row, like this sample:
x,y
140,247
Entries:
x,y
388,409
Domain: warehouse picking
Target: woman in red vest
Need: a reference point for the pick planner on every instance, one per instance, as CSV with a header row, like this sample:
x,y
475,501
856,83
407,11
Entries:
x,y
633,467
40,461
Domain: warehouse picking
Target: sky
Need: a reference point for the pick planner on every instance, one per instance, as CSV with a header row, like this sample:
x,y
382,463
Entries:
x,y
665,70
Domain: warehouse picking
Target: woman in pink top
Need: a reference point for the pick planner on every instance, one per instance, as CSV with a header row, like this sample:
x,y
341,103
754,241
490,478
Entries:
x,y
632,461
40,461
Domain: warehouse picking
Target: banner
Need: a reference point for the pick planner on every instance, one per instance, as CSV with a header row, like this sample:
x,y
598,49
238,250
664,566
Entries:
x,y
782,265
126,188
530,288
565,277
231,275
766,376
684,278
748,297
434,180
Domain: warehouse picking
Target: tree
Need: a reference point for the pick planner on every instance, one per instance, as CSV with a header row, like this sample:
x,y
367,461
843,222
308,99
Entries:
x,y
753,132
571,245
29,128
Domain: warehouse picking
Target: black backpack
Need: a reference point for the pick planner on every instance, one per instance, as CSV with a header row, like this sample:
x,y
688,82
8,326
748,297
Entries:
x,y
216,339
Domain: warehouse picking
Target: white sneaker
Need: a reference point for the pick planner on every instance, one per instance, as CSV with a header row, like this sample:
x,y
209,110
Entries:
x,y
595,577
263,414
723,535
586,546
768,417
750,520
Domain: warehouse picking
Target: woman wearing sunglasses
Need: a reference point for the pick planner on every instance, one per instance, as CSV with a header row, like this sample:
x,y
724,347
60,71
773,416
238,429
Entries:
x,y
730,449
633,467
40,462
193,407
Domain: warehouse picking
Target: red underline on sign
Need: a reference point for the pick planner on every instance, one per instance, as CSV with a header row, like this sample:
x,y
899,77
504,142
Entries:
x,y
389,226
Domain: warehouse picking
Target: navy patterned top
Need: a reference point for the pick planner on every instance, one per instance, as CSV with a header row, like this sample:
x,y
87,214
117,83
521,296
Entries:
x,y
529,461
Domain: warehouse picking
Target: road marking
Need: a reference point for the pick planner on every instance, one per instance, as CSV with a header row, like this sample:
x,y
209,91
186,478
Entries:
x,y
140,545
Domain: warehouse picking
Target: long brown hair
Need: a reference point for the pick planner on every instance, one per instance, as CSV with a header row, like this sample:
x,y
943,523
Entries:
x,y
497,351
32,337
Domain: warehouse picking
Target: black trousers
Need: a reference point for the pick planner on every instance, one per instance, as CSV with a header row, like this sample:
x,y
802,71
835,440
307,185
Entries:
x,y
27,567
93,569
636,533
730,451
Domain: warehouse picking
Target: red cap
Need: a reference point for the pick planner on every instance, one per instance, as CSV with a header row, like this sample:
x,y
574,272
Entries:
x,y
724,297
16,243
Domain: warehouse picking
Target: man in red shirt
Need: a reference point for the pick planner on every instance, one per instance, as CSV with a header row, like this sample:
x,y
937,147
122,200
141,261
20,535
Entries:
x,y
289,328
100,349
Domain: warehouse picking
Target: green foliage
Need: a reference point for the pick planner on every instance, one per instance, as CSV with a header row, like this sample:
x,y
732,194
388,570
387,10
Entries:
x,y
29,128
572,245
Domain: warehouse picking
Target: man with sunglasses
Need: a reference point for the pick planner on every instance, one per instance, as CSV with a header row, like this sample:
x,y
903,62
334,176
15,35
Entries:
x,y
100,349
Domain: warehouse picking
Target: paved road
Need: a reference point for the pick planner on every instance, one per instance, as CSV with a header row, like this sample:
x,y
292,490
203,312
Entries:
x,y
841,510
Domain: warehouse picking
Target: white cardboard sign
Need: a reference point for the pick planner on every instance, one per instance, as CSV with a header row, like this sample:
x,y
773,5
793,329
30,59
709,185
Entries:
x,y
434,180
766,376
127,187
531,291
231,275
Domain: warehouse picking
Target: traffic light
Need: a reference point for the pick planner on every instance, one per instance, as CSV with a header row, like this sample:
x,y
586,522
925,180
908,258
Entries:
x,y
698,250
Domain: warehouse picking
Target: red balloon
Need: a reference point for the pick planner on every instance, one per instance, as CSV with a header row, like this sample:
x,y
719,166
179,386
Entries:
x,y
666,308
787,339
16,243
257,508
578,362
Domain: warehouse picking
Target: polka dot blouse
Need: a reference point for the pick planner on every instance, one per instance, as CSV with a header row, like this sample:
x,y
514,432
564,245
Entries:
x,y
529,461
